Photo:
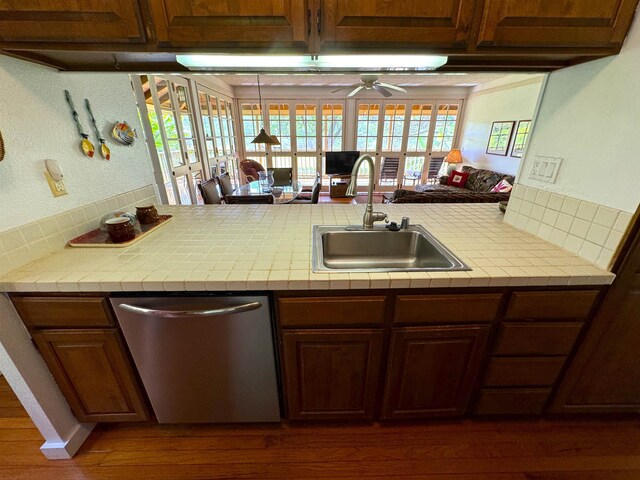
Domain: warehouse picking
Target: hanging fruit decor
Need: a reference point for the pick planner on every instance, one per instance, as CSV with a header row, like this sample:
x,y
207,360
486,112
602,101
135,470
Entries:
x,y
85,144
104,150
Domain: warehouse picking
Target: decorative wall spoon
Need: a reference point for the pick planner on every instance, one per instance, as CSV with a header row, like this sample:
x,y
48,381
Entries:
x,y
104,150
86,145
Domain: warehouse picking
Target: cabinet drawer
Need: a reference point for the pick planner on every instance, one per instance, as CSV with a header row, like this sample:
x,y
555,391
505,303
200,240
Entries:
x,y
536,338
331,311
567,304
64,311
426,309
512,401
523,371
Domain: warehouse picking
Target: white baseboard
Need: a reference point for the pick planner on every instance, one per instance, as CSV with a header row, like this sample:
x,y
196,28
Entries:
x,y
66,450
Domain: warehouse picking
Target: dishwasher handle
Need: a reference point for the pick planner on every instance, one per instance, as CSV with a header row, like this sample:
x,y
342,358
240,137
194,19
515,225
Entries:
x,y
247,307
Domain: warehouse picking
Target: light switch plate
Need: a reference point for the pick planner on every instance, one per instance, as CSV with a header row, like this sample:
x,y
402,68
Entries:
x,y
57,187
545,169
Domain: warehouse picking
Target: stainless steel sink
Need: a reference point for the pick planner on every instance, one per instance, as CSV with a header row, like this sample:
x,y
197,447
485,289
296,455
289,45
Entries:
x,y
335,248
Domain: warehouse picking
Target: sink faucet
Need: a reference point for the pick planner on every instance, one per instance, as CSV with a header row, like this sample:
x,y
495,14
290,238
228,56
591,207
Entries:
x,y
369,215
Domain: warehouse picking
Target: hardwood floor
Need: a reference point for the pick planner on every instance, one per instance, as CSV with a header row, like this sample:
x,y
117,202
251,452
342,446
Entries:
x,y
454,450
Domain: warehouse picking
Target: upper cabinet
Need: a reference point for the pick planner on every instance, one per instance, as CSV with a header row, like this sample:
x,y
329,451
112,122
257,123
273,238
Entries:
x,y
409,23
100,21
480,35
220,24
555,23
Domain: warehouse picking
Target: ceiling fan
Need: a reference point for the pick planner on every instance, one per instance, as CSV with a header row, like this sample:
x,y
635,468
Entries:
x,y
370,82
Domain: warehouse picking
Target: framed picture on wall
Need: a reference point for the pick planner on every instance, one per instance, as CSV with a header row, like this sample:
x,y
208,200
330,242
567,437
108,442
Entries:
x,y
500,137
521,137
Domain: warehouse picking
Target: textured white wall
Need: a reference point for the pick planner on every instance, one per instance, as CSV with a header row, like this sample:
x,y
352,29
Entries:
x,y
590,116
36,124
511,98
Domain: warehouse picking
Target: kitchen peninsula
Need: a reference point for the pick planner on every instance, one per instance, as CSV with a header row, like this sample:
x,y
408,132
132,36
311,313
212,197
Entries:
x,y
368,346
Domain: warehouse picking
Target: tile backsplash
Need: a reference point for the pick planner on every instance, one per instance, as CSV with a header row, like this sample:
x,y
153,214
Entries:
x,y
587,229
27,243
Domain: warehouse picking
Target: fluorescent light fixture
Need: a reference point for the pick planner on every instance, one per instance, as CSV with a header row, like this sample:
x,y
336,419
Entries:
x,y
408,62
311,63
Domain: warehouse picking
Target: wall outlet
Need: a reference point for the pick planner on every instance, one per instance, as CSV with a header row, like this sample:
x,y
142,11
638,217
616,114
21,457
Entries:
x,y
57,187
545,169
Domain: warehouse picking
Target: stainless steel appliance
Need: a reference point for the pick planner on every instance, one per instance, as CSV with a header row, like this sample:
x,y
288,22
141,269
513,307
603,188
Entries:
x,y
203,358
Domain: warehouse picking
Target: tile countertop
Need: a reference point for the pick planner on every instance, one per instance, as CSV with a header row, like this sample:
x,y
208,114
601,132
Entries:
x,y
260,247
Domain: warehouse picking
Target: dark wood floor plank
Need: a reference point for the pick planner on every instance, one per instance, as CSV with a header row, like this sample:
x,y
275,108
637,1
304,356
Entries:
x,y
556,449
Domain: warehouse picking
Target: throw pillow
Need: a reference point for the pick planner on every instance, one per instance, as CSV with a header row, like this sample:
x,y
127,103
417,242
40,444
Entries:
x,y
458,179
502,187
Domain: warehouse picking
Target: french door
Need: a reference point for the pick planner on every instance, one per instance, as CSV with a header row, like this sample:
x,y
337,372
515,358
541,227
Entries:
x,y
218,140
305,130
407,139
169,109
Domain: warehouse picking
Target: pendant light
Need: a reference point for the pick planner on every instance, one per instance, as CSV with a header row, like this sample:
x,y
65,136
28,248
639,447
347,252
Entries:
x,y
263,136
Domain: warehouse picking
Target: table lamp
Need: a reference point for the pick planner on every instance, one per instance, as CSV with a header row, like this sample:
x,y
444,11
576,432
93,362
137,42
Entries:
x,y
454,157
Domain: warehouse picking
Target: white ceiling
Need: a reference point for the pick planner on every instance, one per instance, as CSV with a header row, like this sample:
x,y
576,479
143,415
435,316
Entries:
x,y
337,80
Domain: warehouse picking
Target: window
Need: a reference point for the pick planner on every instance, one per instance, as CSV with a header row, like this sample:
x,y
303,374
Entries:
x,y
419,123
393,127
332,118
306,127
499,138
520,141
367,127
445,130
280,126
251,124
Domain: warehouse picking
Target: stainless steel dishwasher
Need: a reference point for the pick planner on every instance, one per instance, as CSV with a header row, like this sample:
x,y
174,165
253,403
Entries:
x,y
203,358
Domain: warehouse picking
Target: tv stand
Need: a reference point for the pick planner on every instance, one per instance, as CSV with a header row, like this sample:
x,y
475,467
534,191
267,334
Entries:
x,y
338,185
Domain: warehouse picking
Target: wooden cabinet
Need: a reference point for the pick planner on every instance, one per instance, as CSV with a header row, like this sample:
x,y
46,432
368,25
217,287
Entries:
x,y
98,21
410,24
79,341
553,23
71,311
432,370
224,24
540,35
604,375
332,374
93,372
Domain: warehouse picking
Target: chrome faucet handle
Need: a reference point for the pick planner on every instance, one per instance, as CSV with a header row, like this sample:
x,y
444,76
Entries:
x,y
380,216
405,223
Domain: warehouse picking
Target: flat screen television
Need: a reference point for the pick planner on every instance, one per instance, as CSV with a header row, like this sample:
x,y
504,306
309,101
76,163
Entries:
x,y
341,163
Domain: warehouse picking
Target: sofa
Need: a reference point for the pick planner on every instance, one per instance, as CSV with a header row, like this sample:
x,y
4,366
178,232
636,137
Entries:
x,y
477,189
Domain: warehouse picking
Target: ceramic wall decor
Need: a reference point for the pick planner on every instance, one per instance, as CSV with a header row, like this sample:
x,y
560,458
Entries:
x,y
85,144
123,133
104,150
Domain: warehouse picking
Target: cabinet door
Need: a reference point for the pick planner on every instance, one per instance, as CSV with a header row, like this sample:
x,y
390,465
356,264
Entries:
x,y
94,374
441,23
432,370
553,23
232,23
103,21
604,375
332,373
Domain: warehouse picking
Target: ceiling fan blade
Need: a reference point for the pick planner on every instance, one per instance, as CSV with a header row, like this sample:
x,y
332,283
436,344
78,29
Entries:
x,y
392,87
345,88
382,90
355,91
